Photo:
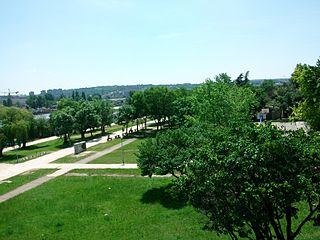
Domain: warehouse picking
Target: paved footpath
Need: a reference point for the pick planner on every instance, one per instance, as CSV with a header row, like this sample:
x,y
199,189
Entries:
x,y
11,170
45,162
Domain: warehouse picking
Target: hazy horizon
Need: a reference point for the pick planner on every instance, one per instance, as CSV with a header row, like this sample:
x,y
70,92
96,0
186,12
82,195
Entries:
x,y
86,43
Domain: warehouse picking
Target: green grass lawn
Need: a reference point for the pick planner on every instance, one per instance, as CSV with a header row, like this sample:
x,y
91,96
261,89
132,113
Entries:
x,y
108,171
33,151
99,147
23,178
100,208
129,151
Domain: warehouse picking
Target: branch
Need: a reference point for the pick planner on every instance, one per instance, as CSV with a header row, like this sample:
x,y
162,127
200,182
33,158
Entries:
x,y
308,217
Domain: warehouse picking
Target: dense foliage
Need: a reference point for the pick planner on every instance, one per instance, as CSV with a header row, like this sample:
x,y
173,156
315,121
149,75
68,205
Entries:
x,y
250,181
15,124
72,116
307,78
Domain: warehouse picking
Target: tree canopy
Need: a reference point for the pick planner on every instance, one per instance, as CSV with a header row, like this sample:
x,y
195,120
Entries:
x,y
307,78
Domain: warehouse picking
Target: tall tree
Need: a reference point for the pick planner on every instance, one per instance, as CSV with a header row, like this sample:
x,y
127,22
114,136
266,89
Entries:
x,y
222,104
125,115
307,78
140,107
103,108
62,122
14,126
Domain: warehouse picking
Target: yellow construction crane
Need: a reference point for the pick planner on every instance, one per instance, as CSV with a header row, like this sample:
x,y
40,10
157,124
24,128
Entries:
x,y
10,92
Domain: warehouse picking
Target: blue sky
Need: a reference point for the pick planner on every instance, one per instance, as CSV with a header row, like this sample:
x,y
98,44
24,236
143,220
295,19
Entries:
x,y
83,43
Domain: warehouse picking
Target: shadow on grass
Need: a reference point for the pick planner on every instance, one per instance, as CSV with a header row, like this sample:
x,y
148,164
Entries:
x,y
165,197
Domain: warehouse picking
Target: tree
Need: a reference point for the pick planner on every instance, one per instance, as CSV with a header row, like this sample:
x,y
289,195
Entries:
x,y
159,103
307,78
182,107
223,104
14,126
86,118
140,107
62,122
252,181
247,181
242,80
103,108
223,77
125,115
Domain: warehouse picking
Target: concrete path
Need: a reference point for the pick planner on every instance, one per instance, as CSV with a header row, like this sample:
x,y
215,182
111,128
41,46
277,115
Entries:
x,y
10,170
44,162
24,188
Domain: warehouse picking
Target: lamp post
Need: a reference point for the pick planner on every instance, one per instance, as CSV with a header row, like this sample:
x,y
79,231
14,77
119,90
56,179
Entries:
x,y
122,153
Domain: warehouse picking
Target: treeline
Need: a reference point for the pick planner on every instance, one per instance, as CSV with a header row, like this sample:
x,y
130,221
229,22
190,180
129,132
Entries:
x,y
78,116
174,107
250,181
17,126
107,92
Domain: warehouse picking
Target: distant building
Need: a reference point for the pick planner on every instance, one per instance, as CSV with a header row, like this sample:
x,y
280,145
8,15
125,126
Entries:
x,y
16,100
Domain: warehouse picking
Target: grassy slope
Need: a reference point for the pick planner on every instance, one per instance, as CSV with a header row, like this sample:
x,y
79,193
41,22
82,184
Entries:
x,y
76,208
22,179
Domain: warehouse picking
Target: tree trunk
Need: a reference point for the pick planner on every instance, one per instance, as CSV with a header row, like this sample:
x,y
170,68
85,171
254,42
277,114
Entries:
x,y
1,149
288,220
145,123
137,125
24,144
65,139
82,134
103,129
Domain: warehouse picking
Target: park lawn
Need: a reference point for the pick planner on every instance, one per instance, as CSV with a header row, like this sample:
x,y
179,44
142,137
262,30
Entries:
x,y
130,150
72,158
100,208
33,151
37,150
136,172
23,178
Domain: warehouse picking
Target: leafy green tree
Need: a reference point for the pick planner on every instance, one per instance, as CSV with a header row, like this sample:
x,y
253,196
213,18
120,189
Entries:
x,y
103,108
251,182
170,151
160,103
41,128
14,126
62,122
86,118
223,77
222,104
307,78
182,107
140,106
125,115
64,103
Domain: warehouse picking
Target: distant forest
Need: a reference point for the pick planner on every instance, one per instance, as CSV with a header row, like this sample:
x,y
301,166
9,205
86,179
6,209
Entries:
x,y
110,92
